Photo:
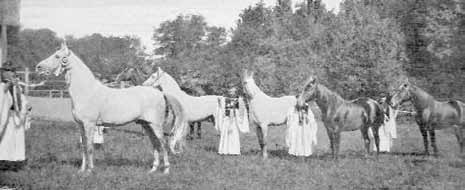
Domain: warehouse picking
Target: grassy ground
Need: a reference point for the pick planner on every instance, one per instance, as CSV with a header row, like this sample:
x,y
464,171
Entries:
x,y
53,160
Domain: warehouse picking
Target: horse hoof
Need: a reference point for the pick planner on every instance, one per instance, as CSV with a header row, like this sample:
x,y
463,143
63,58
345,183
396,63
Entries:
x,y
153,170
166,170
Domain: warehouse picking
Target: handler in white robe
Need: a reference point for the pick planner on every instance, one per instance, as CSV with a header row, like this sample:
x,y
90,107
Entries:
x,y
12,134
301,131
388,131
232,119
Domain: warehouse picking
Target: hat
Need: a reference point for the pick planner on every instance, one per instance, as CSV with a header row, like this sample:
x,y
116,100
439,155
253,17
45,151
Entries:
x,y
8,66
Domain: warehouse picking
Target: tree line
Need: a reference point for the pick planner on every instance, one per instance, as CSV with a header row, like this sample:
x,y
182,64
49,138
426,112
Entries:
x,y
367,49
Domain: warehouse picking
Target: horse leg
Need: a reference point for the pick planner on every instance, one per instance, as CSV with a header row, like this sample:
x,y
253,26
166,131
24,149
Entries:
x,y
199,130
366,140
424,134
260,138
432,136
337,142
331,140
265,136
155,145
191,131
83,146
89,148
376,137
460,137
158,131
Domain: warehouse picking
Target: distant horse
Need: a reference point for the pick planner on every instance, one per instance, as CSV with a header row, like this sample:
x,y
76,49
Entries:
x,y
132,74
198,108
94,103
265,110
340,115
432,114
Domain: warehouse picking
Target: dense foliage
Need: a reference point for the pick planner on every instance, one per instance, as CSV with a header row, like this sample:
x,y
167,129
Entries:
x,y
366,49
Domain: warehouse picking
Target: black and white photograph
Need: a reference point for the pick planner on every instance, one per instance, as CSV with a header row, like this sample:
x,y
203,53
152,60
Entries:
x,y
221,94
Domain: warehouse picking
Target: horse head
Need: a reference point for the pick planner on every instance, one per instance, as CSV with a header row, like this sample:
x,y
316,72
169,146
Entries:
x,y
155,78
401,95
247,80
309,91
57,63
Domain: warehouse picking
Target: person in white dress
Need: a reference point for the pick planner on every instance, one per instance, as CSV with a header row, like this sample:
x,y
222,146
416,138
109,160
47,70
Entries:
x,y
301,136
12,137
232,120
387,131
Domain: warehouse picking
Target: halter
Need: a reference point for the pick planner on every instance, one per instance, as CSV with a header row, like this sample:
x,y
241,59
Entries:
x,y
64,63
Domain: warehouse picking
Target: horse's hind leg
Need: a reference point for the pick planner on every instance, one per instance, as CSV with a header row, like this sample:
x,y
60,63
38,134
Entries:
x,y
366,139
459,133
432,136
424,134
156,144
337,142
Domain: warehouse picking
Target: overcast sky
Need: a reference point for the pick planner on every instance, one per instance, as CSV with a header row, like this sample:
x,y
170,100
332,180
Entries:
x,y
129,17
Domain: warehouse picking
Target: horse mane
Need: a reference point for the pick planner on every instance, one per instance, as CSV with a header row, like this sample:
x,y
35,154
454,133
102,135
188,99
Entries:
x,y
328,95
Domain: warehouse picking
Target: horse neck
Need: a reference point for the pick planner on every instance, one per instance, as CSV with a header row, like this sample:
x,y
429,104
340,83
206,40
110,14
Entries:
x,y
327,99
171,86
254,91
81,81
420,98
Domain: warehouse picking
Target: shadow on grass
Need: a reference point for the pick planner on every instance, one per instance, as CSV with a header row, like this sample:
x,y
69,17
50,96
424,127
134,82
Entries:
x,y
76,162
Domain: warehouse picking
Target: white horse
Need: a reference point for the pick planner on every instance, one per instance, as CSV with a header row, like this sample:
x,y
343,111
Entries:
x,y
197,108
94,103
265,110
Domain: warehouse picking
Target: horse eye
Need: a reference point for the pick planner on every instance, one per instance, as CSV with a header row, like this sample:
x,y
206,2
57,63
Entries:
x,y
57,56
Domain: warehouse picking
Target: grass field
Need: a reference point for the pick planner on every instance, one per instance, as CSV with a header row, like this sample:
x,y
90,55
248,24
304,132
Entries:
x,y
53,160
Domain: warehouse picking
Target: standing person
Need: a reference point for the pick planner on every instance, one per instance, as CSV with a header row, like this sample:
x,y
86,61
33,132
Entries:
x,y
233,118
301,131
388,131
12,133
8,76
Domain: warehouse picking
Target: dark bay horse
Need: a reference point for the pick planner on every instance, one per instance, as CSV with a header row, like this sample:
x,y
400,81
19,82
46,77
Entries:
x,y
432,114
340,115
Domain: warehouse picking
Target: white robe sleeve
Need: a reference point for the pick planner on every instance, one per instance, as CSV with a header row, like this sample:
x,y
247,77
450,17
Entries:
x,y
219,118
243,118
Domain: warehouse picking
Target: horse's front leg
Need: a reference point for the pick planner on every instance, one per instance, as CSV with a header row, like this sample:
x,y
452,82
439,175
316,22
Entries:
x,y
330,133
83,146
261,140
89,128
424,134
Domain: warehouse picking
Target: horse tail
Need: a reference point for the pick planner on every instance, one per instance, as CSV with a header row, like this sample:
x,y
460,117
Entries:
x,y
178,127
374,111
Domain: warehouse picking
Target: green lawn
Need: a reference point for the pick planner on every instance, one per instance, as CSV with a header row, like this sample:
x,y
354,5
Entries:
x,y
53,160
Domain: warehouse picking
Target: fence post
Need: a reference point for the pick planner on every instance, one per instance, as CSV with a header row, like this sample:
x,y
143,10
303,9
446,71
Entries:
x,y
61,94
26,80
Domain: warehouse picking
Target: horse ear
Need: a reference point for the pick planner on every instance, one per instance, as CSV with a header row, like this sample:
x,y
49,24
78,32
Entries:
x,y
64,46
159,70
